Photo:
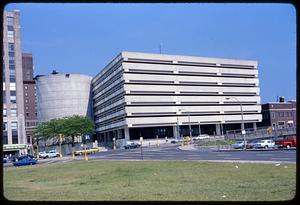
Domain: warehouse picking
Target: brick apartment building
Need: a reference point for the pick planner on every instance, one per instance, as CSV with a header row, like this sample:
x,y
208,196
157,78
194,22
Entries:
x,y
29,96
279,114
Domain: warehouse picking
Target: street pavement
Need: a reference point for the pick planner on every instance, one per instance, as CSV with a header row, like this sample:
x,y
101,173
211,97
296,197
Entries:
x,y
176,152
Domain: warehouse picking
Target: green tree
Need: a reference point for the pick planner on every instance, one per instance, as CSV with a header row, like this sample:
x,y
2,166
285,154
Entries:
x,y
40,133
77,125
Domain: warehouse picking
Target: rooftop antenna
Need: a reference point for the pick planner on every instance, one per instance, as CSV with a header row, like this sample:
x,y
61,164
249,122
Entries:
x,y
160,45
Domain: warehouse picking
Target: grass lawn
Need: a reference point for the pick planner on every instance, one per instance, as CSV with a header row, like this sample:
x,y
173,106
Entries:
x,y
150,180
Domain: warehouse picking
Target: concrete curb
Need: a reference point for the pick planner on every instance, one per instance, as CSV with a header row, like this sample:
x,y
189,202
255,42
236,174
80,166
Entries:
x,y
187,147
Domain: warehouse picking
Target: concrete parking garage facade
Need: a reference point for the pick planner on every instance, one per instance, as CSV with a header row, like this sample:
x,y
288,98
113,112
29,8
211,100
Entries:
x,y
143,94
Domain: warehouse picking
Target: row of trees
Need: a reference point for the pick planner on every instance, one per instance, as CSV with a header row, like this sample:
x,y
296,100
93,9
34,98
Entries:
x,y
68,127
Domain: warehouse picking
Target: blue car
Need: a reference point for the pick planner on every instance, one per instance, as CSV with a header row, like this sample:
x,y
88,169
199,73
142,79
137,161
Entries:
x,y
25,161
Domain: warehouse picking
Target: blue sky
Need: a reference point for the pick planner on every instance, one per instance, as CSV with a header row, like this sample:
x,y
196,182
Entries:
x,y
83,38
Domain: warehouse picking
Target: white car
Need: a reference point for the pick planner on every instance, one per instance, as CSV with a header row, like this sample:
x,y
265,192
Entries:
x,y
265,144
239,144
42,155
52,153
200,137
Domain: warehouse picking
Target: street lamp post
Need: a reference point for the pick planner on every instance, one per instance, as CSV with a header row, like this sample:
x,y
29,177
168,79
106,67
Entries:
x,y
243,126
190,130
178,134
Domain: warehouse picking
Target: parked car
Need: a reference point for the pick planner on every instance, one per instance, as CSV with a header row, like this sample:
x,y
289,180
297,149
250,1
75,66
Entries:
x,y
42,155
287,141
52,153
131,145
200,137
239,144
265,144
174,141
87,150
25,161
4,160
251,144
13,158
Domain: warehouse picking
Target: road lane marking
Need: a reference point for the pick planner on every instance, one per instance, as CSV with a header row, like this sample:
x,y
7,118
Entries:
x,y
263,155
224,155
283,158
232,158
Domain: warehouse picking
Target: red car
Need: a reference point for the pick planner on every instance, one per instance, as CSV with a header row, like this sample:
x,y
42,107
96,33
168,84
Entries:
x,y
287,141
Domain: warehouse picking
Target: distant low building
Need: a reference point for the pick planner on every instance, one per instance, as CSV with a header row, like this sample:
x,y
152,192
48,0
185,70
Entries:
x,y
279,114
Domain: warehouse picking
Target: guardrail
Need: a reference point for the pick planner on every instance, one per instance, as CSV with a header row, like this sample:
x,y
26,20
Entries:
x,y
260,133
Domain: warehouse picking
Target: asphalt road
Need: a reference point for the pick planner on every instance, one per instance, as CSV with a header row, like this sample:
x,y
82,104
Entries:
x,y
172,152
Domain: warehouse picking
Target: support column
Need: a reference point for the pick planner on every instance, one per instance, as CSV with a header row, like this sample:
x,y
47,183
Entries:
x,y
175,132
105,137
119,134
254,126
218,129
126,131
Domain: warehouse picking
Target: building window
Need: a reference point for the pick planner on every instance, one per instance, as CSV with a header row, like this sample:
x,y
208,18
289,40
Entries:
x,y
280,123
11,47
14,126
26,108
27,124
12,67
273,115
10,28
26,87
12,72
12,79
26,100
281,114
13,99
10,21
26,94
13,112
4,126
27,114
28,139
11,54
15,137
13,93
10,34
4,113
12,86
